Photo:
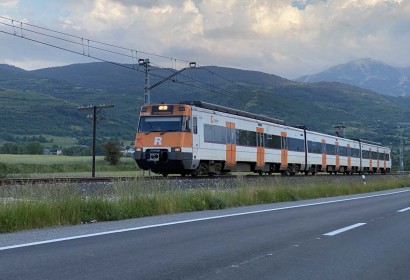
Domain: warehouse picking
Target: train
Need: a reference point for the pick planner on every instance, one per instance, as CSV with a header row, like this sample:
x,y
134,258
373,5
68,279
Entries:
x,y
199,138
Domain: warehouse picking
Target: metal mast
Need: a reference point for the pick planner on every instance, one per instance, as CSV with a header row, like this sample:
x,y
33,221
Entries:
x,y
401,152
147,97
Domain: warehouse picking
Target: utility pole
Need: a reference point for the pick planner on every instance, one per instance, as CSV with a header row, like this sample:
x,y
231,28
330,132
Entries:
x,y
401,152
94,116
147,95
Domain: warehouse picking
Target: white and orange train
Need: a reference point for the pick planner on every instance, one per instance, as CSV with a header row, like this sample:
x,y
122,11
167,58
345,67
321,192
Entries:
x,y
200,138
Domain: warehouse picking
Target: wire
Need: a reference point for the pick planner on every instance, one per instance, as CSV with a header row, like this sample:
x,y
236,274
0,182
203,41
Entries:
x,y
94,41
208,86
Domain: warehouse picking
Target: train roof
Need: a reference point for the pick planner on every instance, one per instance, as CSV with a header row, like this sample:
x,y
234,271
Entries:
x,y
369,142
232,111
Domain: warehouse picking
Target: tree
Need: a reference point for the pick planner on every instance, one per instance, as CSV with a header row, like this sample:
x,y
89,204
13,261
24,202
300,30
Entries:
x,y
10,148
112,151
34,148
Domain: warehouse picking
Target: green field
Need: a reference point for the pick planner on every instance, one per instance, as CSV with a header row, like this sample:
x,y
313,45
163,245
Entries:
x,y
62,166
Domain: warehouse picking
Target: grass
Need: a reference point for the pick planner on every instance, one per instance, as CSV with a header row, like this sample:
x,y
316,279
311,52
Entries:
x,y
27,207
51,165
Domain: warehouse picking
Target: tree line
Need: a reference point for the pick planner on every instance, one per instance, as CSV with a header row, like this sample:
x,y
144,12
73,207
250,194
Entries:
x,y
111,149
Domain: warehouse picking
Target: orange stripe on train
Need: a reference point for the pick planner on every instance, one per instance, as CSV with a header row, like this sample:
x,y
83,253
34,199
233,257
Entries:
x,y
168,139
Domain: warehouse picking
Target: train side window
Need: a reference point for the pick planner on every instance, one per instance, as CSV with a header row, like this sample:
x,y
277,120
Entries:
x,y
195,125
241,136
251,139
342,151
355,153
220,134
314,147
272,141
330,149
208,133
296,145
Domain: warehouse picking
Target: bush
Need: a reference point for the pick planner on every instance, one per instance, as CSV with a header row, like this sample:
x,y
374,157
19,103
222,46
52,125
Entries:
x,y
112,151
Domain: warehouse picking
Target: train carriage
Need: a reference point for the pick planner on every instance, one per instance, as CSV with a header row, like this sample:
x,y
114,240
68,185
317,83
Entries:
x,y
200,138
375,158
327,153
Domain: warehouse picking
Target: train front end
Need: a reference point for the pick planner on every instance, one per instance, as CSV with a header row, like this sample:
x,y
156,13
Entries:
x,y
163,142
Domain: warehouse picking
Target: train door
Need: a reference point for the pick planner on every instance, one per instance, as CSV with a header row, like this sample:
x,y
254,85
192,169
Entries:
x,y
284,151
324,157
260,152
195,137
230,145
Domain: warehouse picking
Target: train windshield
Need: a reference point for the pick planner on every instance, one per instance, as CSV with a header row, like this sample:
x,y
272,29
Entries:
x,y
160,124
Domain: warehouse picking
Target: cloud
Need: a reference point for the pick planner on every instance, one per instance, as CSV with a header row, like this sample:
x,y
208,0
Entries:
x,y
8,3
287,38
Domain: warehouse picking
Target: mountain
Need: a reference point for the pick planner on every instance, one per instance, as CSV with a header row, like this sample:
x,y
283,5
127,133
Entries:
x,y
366,73
56,93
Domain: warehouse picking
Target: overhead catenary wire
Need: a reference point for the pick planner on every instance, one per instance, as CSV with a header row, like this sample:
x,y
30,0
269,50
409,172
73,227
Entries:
x,y
86,47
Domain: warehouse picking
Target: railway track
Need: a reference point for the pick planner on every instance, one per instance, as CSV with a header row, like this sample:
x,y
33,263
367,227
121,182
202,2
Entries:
x,y
54,180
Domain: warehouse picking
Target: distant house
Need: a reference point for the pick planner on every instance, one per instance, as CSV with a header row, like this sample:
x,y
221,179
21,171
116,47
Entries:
x,y
129,152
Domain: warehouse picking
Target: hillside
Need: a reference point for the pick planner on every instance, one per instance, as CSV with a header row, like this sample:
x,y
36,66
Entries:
x,y
366,73
320,106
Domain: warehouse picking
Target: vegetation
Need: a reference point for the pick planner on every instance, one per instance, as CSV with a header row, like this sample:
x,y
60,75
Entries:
x,y
47,165
34,102
112,151
28,207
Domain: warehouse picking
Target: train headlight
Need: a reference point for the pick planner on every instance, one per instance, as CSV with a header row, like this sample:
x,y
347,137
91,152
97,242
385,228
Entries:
x,y
138,150
177,149
163,107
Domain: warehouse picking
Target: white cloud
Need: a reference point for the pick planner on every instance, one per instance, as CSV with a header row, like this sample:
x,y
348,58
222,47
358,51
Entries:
x,y
288,38
8,3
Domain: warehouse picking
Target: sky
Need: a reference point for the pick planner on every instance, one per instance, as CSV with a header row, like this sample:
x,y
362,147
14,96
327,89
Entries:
x,y
288,38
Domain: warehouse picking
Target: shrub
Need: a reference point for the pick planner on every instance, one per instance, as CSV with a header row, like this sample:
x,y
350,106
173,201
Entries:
x,y
112,151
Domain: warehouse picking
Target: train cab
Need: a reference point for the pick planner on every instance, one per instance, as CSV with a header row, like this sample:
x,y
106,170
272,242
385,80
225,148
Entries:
x,y
163,142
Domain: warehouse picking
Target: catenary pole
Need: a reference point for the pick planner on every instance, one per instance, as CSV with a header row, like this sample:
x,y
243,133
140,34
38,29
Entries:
x,y
94,108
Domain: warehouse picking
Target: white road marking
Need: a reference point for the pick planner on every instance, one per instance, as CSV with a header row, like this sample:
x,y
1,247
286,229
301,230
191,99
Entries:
x,y
403,210
332,233
193,220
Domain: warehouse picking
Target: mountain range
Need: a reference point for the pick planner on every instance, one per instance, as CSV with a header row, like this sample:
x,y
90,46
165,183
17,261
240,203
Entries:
x,y
366,73
45,101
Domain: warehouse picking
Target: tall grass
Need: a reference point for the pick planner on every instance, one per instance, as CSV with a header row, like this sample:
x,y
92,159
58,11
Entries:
x,y
27,207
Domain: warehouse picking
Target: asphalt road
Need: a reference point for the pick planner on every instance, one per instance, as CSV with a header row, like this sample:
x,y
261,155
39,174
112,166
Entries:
x,y
352,237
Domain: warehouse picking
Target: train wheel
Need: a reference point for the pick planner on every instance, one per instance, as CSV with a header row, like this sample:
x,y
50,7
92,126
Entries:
x,y
286,172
